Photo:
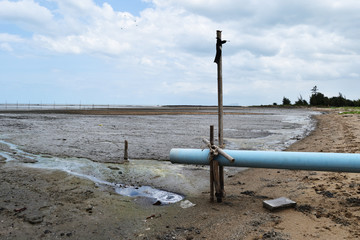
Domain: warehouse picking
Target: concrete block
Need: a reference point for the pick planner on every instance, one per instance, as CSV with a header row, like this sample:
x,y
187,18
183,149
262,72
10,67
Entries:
x,y
278,203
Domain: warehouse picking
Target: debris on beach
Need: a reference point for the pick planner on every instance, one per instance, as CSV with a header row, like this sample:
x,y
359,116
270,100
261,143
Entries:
x,y
18,210
187,204
278,203
153,216
28,160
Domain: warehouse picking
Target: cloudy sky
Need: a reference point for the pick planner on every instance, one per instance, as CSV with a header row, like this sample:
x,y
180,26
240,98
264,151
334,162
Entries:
x,y
157,52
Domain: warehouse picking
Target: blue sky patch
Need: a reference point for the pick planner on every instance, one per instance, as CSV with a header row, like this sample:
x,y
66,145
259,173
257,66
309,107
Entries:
x,y
132,6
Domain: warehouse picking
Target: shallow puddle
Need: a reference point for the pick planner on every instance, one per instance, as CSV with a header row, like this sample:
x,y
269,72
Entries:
x,y
110,175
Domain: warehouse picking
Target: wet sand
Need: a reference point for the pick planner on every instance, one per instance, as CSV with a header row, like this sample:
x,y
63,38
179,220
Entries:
x,y
37,204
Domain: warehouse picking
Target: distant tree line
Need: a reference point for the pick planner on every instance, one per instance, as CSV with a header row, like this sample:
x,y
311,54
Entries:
x,y
319,99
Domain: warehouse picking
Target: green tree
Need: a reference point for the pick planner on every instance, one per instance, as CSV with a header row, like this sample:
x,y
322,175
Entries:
x,y
286,101
339,101
314,90
319,99
357,103
301,102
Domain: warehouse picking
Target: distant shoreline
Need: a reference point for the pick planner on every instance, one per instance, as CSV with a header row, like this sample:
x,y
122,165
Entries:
x,y
141,110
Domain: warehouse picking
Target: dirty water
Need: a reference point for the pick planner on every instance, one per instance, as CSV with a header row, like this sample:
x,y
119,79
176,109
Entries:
x,y
92,146
105,175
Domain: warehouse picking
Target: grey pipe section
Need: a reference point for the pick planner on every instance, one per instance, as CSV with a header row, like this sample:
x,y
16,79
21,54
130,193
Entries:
x,y
334,162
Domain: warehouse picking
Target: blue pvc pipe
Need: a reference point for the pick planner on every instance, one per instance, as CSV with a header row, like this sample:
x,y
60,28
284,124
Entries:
x,y
334,162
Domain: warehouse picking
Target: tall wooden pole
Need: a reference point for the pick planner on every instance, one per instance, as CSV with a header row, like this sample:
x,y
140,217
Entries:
x,y
220,112
220,96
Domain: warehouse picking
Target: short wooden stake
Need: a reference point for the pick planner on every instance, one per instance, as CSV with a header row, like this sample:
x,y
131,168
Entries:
x,y
218,193
221,180
126,156
211,165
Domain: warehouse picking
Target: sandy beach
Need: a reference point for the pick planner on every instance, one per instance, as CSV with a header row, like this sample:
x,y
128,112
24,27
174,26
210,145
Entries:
x,y
38,204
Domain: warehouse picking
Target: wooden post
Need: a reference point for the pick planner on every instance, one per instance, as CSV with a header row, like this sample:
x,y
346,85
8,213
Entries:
x,y
126,156
220,96
216,174
211,165
220,110
212,135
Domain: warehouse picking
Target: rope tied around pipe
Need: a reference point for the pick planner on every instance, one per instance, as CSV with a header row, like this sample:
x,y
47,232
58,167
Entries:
x,y
215,150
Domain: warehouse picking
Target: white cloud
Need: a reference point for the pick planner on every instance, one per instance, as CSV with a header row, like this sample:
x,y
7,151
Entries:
x,y
173,43
25,12
82,44
6,41
5,37
6,47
